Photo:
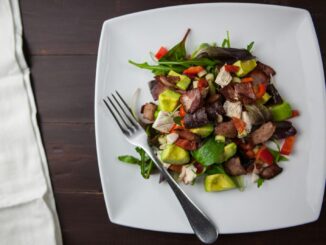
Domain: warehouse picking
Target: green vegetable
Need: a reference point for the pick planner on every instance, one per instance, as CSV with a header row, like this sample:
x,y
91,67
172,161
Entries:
x,y
200,47
210,152
220,138
260,182
168,100
129,159
218,182
145,163
277,153
250,46
164,67
203,131
229,151
281,112
215,169
175,155
226,42
245,66
177,120
184,81
178,52
239,182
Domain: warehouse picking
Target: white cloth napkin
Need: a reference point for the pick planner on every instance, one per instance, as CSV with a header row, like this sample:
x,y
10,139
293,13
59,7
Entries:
x,y
27,209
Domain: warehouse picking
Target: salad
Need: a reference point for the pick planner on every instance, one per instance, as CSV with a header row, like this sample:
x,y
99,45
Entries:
x,y
216,114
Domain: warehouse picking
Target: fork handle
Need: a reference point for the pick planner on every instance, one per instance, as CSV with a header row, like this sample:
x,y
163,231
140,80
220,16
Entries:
x,y
200,223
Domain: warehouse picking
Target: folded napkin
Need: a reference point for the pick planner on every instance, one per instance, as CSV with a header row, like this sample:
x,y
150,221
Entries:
x,y
27,209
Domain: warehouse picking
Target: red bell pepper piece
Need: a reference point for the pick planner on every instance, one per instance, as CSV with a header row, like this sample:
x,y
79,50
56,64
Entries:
x,y
260,90
231,68
202,83
295,113
182,111
161,52
265,155
239,124
193,70
247,80
186,144
287,147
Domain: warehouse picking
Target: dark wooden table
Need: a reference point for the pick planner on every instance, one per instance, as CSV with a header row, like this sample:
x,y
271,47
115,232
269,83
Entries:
x,y
61,40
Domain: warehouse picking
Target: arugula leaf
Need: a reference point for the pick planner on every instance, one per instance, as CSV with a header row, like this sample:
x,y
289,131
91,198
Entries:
x,y
260,182
146,164
277,153
250,46
226,42
128,159
191,62
178,52
156,69
283,158
177,120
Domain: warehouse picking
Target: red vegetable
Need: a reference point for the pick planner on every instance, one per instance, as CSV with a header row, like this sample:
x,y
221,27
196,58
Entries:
x,y
186,144
193,70
202,83
174,127
287,147
182,111
231,68
247,80
239,124
265,155
161,52
295,113
260,90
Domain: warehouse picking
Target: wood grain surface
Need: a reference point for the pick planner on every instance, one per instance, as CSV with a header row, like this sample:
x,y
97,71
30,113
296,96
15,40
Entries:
x,y
60,42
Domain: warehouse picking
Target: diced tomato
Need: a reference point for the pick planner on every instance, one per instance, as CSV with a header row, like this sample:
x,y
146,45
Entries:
x,y
182,111
186,144
174,127
265,155
295,113
247,80
193,70
202,83
231,68
260,90
239,124
287,147
175,168
199,168
161,52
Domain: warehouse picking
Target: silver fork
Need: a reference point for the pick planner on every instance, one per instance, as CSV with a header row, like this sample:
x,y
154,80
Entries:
x,y
135,135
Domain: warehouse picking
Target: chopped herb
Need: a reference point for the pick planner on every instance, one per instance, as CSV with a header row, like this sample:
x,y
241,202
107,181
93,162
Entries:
x,y
226,42
260,182
177,120
129,159
145,163
250,46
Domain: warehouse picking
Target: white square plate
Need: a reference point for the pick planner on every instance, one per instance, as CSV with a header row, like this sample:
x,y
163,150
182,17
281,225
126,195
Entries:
x,y
285,39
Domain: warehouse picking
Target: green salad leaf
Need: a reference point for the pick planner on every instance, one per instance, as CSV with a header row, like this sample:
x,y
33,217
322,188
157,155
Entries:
x,y
260,182
210,152
250,46
145,163
178,52
226,42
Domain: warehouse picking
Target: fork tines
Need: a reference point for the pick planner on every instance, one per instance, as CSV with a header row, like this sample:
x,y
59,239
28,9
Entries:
x,y
122,114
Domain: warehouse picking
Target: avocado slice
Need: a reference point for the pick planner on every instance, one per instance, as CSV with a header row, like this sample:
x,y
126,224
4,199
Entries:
x,y
218,182
184,80
203,131
175,155
168,100
209,153
245,66
281,112
229,151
